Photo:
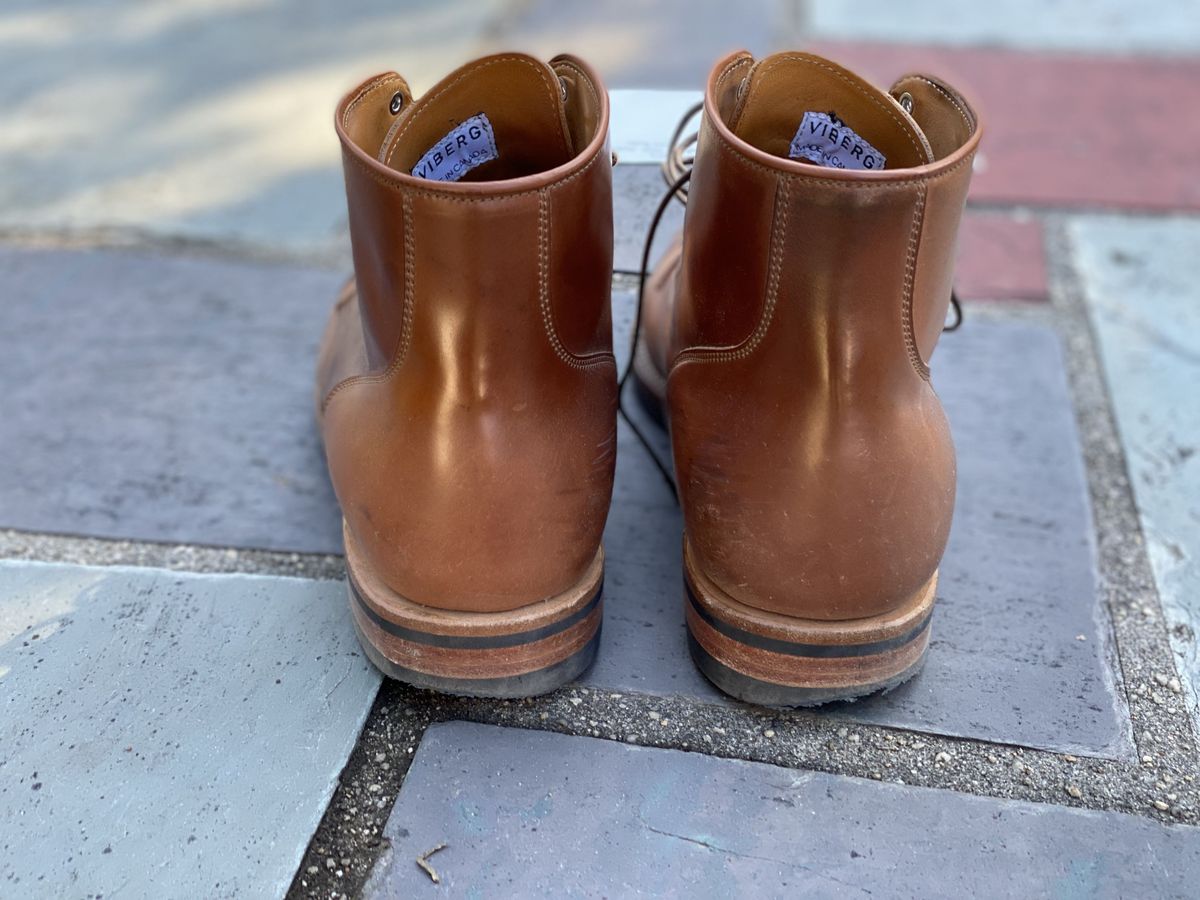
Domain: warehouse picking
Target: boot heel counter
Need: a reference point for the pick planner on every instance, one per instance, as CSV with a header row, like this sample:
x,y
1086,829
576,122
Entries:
x,y
473,531
832,519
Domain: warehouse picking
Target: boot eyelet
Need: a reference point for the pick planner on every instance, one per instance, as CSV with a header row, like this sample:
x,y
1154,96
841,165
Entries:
x,y
906,101
562,88
397,102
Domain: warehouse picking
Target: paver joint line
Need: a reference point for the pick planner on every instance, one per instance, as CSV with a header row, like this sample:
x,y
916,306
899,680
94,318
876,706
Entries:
x,y
1153,777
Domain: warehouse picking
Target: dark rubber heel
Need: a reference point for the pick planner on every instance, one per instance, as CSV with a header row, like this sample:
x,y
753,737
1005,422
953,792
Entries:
x,y
776,660
518,653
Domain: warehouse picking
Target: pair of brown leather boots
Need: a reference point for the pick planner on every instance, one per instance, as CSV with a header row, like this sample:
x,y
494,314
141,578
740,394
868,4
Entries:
x,y
467,390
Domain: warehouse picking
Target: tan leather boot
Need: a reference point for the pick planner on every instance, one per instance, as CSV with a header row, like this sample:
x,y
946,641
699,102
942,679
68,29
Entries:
x,y
466,385
790,335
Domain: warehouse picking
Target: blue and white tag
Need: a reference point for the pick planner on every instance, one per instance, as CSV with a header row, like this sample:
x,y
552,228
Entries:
x,y
469,144
825,140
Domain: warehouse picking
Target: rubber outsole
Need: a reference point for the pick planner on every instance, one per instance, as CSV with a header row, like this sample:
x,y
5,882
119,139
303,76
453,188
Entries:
x,y
765,693
525,684
775,660
521,652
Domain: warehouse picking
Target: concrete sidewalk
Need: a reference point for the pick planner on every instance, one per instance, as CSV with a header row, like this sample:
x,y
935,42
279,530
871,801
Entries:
x,y
186,712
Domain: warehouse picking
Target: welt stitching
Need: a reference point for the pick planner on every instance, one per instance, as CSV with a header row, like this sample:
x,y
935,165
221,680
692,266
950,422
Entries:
x,y
740,158
582,77
410,277
910,266
738,105
374,85
389,135
408,191
400,351
774,269
426,102
858,87
953,102
560,350
585,80
729,68
969,120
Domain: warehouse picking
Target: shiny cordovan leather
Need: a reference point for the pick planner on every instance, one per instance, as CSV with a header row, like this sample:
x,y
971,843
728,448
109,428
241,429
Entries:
x,y
794,328
466,383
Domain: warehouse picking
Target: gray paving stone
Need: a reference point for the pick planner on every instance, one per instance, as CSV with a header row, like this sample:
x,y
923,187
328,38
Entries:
x,y
665,44
525,813
163,399
139,424
642,123
637,190
1140,285
213,122
1107,25
209,121
169,735
1019,651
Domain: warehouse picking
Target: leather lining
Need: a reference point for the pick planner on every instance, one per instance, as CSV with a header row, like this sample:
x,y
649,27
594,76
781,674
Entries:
x,y
521,97
944,116
783,87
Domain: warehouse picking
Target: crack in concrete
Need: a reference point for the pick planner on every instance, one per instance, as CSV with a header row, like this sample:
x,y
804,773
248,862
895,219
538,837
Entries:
x,y
717,848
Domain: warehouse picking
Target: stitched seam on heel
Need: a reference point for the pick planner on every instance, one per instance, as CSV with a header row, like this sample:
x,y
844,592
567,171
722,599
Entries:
x,y
775,266
910,269
406,322
560,349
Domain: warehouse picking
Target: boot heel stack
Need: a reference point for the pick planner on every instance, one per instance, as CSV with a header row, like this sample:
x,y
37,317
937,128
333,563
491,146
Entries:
x,y
778,660
520,653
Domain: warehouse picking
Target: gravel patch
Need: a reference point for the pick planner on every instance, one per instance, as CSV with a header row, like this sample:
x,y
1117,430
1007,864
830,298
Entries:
x,y
180,557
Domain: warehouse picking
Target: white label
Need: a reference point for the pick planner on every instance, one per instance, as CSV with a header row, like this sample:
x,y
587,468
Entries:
x,y
826,140
469,144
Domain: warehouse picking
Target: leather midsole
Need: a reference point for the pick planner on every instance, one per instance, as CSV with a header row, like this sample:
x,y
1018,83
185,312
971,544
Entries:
x,y
405,618
471,641
482,662
773,631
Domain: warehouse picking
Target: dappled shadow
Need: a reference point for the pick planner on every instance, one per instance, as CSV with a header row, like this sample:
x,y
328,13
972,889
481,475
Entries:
x,y
212,120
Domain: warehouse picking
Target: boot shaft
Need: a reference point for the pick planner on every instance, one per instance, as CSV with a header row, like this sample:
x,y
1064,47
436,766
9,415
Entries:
x,y
516,252
856,264
468,379
815,464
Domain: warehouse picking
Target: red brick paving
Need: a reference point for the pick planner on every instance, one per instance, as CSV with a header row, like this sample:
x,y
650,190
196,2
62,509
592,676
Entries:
x,y
1067,130
1001,257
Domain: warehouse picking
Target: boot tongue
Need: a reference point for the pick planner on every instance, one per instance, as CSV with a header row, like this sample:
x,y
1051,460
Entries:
x,y
500,117
802,107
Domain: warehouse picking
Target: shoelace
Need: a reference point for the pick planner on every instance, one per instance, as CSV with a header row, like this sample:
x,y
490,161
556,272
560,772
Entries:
x,y
677,173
